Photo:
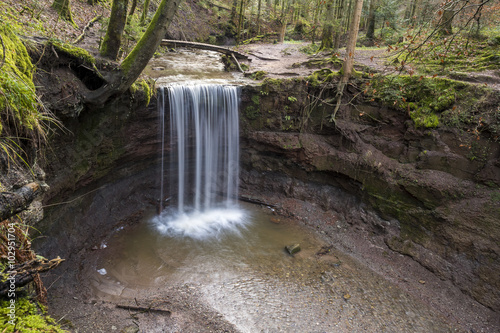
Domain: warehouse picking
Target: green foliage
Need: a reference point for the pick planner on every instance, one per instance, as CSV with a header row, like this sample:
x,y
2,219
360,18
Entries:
x,y
29,318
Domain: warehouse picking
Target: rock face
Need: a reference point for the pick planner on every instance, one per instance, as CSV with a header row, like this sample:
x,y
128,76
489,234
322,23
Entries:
x,y
444,193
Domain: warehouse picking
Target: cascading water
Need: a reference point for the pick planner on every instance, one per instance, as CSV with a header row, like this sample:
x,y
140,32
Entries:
x,y
203,140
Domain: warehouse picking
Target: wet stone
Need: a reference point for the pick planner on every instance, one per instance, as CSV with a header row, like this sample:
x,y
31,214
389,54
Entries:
x,y
293,248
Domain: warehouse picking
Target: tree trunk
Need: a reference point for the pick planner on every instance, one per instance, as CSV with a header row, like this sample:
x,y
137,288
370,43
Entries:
x,y
328,29
240,21
340,21
351,41
445,26
349,54
113,38
234,9
370,32
132,8
137,60
258,17
315,21
64,10
145,11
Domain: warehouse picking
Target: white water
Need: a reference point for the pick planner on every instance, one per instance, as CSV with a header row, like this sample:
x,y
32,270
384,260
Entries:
x,y
203,139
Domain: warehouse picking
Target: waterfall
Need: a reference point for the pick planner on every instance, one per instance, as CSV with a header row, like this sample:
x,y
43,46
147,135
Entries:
x,y
202,140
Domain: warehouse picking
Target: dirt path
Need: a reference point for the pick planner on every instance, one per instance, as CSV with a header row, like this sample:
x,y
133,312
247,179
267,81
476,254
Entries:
x,y
287,59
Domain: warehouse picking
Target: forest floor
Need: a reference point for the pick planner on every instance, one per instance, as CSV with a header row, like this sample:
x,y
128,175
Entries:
x,y
289,59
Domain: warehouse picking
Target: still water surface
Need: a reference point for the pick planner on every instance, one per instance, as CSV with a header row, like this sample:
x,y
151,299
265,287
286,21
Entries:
x,y
245,274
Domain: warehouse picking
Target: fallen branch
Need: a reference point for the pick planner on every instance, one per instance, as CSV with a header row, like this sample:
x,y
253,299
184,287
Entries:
x,y
22,274
237,63
12,203
142,308
263,58
90,24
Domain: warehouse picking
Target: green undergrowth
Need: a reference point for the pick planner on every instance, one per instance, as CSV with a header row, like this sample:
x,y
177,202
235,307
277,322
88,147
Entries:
x,y
452,55
18,100
321,76
29,317
429,102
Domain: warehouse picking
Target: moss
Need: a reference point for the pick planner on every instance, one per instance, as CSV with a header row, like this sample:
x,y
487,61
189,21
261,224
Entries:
x,y
142,87
256,99
251,112
18,100
321,76
334,62
28,318
259,75
428,101
73,51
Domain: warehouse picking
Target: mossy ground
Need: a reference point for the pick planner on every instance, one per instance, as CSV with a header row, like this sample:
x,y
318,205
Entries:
x,y
430,102
30,317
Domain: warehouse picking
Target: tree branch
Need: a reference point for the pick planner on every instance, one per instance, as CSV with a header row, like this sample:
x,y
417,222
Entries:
x,y
12,203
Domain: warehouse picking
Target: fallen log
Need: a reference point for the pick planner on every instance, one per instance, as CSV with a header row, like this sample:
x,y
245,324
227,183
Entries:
x,y
21,274
202,46
12,203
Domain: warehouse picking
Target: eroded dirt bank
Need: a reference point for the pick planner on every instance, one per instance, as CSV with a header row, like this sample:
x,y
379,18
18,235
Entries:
x,y
409,203
446,202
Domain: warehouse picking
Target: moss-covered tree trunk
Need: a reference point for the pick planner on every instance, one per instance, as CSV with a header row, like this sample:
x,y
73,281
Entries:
x,y
445,24
112,40
63,8
137,60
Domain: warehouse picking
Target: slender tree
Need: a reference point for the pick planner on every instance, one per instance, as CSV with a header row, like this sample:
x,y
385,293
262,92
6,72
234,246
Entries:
x,y
112,40
258,17
145,11
370,31
349,53
132,8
